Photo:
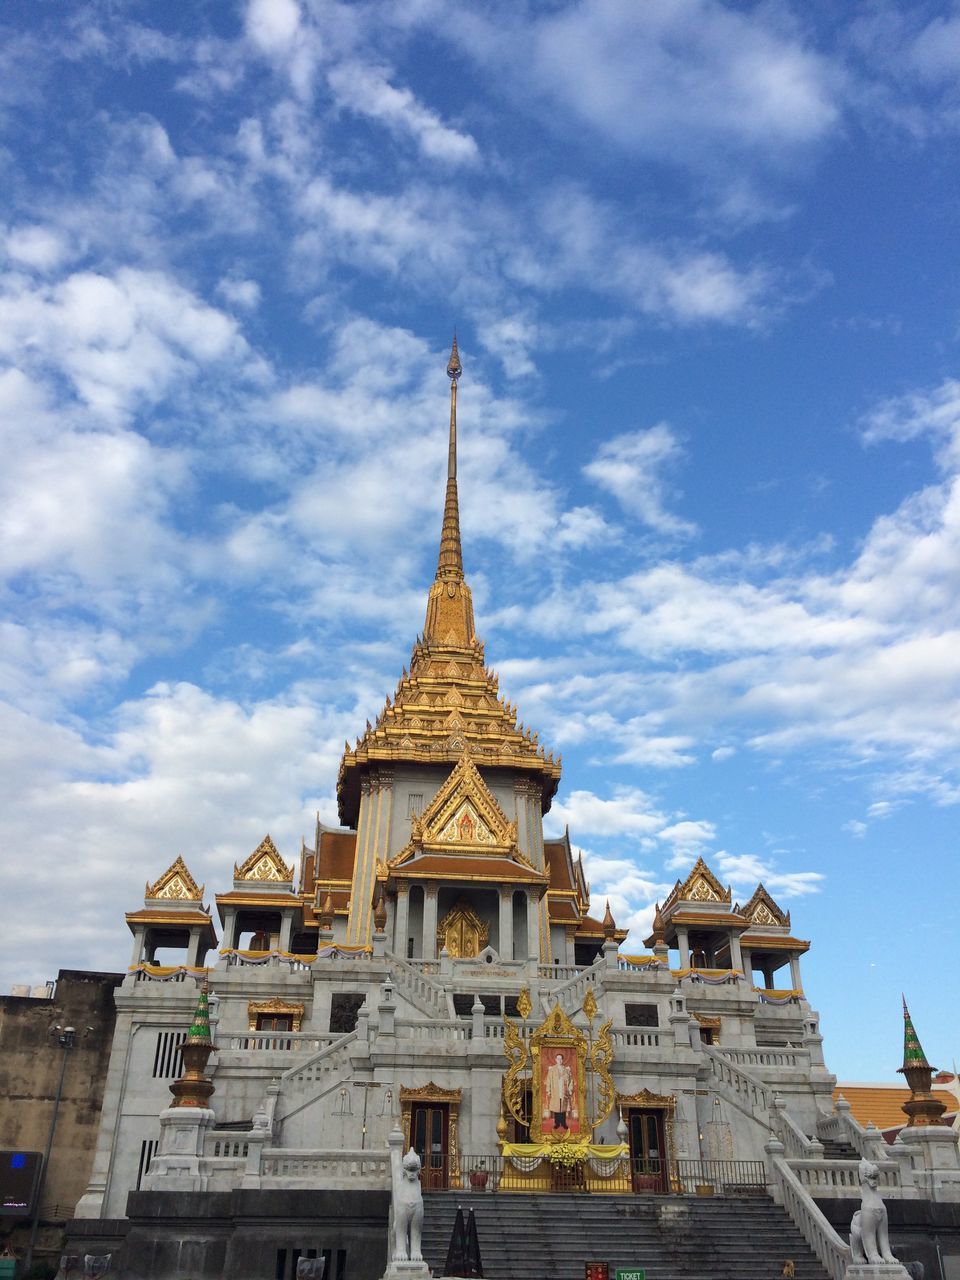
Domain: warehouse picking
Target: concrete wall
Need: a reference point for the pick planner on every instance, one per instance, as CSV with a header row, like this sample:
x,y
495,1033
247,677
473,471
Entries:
x,y
30,1061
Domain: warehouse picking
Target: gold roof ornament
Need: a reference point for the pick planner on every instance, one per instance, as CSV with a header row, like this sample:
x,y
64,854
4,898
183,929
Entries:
x,y
449,701
379,909
524,1006
463,818
326,912
701,885
659,935
175,885
264,864
762,910
609,924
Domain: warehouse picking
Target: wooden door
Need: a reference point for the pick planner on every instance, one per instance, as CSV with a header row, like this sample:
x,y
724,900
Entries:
x,y
647,1149
429,1137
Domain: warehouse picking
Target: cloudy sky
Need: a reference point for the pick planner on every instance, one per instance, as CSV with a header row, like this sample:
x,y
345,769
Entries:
x,y
702,260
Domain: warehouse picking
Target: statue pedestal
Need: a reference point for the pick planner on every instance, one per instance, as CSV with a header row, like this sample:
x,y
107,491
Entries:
x,y
876,1271
407,1271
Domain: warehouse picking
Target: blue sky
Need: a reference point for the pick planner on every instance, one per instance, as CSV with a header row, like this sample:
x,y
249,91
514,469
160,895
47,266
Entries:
x,y
702,260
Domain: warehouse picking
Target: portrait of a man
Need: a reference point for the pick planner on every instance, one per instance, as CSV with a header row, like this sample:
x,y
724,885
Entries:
x,y
559,1091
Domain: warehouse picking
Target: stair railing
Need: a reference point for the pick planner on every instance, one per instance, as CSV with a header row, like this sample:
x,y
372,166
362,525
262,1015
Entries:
x,y
327,1070
796,1143
739,1086
833,1252
570,994
842,1126
422,991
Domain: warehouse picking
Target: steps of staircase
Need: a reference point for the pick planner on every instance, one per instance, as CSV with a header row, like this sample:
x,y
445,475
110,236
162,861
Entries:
x,y
530,1237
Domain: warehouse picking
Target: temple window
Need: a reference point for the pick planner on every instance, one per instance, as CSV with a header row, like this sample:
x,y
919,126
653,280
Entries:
x,y
274,1022
641,1015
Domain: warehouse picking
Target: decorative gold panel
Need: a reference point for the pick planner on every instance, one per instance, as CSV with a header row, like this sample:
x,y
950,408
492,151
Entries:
x,y
175,885
264,863
462,933
275,1008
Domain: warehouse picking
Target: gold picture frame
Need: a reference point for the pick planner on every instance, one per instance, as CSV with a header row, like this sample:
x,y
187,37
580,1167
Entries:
x,y
558,1052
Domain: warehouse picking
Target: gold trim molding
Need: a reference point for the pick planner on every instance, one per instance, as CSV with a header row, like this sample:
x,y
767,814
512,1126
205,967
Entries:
x,y
276,1008
435,1093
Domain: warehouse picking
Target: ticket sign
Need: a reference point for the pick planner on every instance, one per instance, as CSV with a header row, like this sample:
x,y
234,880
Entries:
x,y
597,1271
627,1273
19,1176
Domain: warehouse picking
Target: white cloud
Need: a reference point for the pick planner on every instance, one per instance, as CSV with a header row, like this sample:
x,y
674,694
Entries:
x,y
273,25
367,91
120,339
723,753
676,80
631,467
40,247
746,870
242,293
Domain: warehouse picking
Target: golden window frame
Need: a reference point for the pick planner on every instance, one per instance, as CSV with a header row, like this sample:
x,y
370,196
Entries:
x,y
435,1093
276,1008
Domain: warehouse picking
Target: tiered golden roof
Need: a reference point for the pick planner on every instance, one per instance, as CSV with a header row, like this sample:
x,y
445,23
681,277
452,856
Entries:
x,y
449,700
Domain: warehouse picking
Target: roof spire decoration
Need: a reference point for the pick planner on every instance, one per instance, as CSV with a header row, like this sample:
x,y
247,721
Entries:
x,y
194,1087
450,561
448,701
922,1108
449,621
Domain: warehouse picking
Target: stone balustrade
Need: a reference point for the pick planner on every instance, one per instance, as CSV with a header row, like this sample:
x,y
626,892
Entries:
x,y
788,1190
840,1179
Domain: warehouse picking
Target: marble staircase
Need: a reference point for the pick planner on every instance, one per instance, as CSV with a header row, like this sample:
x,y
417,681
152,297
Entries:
x,y
530,1237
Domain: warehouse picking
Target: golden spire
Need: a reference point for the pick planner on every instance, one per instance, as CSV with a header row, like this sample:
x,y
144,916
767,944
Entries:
x,y
450,562
450,606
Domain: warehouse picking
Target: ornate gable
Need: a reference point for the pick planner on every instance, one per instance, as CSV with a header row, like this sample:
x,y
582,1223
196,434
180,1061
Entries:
x,y
701,885
761,910
175,885
463,817
264,863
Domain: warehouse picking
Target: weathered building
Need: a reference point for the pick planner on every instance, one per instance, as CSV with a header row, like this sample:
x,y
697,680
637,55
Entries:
x,y
31,1058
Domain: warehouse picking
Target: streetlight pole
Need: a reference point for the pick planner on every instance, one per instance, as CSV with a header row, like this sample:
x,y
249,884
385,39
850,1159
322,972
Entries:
x,y
65,1038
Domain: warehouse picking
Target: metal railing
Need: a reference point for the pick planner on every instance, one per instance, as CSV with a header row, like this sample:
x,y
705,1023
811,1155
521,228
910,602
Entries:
x,y
624,1176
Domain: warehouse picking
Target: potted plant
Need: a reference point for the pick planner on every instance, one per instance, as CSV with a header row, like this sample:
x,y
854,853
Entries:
x,y
478,1176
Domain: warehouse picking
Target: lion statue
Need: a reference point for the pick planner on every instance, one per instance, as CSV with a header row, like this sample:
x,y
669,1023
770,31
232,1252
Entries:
x,y
869,1241
407,1208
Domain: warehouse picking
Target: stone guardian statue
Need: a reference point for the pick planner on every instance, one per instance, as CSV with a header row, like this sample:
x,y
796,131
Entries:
x,y
406,1213
870,1254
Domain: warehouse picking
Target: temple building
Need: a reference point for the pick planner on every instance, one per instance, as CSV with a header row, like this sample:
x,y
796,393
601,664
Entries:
x,y
437,964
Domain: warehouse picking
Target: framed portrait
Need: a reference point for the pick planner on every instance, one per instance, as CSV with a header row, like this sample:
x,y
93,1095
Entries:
x,y
559,1061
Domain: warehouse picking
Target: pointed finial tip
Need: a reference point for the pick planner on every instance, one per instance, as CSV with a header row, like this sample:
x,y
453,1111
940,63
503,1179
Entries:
x,y
454,368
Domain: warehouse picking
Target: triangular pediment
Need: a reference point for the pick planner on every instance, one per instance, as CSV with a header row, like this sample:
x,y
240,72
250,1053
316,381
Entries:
x,y
264,864
463,817
762,911
701,885
175,885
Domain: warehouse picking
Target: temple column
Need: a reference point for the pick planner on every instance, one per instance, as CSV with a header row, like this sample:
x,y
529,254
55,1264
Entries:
x,y
430,922
736,958
229,939
138,935
795,973
506,924
683,944
747,959
400,919
286,930
193,960
533,928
